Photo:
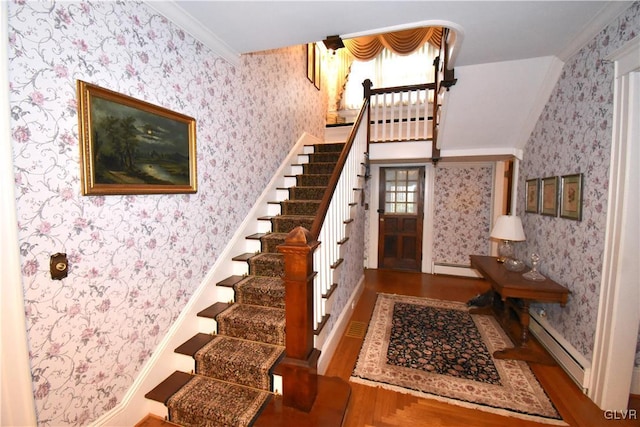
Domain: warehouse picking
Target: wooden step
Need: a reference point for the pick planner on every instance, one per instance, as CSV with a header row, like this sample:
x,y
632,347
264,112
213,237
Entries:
x,y
330,291
213,310
230,281
322,324
337,263
193,344
167,388
256,236
244,257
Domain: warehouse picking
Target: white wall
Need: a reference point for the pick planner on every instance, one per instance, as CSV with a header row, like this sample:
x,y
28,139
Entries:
x,y
494,107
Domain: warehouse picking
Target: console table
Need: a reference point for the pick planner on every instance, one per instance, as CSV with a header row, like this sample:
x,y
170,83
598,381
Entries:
x,y
516,293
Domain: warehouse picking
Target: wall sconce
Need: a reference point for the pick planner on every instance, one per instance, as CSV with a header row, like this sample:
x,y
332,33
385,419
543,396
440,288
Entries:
x,y
333,43
508,228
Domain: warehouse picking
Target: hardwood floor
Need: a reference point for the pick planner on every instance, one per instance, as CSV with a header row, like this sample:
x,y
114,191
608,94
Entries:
x,y
383,408
378,407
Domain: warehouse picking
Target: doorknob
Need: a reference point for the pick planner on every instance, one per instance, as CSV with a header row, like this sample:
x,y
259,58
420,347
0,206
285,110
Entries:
x,y
380,211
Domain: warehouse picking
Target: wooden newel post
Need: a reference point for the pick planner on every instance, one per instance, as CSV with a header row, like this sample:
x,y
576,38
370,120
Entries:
x,y
299,368
367,85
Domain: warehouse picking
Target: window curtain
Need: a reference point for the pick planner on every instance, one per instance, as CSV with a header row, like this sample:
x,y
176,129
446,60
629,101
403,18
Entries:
x,y
400,42
388,69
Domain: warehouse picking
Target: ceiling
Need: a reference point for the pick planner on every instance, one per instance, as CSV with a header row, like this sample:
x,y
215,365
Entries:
x,y
488,31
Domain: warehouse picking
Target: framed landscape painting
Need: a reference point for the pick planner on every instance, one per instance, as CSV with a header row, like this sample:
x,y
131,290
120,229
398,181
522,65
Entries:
x,y
128,146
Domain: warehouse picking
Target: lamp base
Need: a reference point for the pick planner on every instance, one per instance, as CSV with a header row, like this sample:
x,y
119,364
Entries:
x,y
505,251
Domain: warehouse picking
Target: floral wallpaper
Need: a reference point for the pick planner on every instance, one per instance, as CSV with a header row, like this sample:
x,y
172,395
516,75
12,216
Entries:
x,y
461,221
134,260
573,135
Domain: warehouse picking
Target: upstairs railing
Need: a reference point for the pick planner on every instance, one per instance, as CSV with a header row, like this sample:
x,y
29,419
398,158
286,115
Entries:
x,y
400,113
413,112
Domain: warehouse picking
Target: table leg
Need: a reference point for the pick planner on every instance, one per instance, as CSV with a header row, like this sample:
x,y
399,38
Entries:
x,y
524,322
522,351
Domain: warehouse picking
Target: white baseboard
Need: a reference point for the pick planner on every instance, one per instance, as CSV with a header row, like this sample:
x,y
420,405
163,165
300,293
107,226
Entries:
x,y
573,363
455,270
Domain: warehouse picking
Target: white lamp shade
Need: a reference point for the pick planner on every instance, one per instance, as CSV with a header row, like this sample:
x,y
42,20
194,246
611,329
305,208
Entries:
x,y
508,227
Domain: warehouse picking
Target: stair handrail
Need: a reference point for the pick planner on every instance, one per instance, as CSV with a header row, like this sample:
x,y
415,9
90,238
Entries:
x,y
333,181
305,253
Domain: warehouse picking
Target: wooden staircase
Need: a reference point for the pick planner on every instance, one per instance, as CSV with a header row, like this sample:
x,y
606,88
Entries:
x,y
254,323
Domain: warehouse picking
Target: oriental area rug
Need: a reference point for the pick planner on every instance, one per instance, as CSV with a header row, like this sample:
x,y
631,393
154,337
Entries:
x,y
436,349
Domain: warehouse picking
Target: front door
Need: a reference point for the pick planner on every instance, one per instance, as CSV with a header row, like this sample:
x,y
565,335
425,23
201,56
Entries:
x,y
400,220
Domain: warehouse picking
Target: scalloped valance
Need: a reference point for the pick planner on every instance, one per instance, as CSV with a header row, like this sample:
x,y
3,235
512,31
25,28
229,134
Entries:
x,y
401,42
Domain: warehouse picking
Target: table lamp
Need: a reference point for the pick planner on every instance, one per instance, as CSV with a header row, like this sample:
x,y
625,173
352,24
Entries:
x,y
507,229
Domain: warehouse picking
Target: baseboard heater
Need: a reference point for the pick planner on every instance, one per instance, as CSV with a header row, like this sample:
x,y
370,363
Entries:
x,y
454,270
573,363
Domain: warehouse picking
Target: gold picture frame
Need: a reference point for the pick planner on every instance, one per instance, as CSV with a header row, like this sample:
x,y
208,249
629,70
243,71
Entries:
x,y
532,192
317,60
311,58
128,146
571,197
549,196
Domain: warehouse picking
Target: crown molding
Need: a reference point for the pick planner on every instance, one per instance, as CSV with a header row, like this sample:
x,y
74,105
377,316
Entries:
x,y
176,14
607,14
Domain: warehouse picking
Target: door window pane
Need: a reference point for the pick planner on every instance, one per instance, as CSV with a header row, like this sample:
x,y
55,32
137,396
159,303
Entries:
x,y
401,186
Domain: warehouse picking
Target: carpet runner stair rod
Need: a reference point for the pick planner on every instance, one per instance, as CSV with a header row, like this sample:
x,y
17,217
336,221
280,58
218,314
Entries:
x,y
233,376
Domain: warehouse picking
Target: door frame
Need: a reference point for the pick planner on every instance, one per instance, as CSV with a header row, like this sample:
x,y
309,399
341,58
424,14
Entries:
x,y
617,324
18,405
419,214
371,253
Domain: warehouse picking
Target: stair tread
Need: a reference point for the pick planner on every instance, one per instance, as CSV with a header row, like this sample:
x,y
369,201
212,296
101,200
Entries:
x,y
296,216
230,281
213,310
204,398
253,322
261,290
168,387
255,236
244,257
238,361
193,344
302,201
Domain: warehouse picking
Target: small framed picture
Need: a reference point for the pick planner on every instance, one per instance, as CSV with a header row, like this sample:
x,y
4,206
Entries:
x,y
549,198
571,197
311,59
532,191
316,72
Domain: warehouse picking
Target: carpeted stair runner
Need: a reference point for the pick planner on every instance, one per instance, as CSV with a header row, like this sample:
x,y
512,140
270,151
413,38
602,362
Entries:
x,y
205,402
253,322
232,380
260,290
225,358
